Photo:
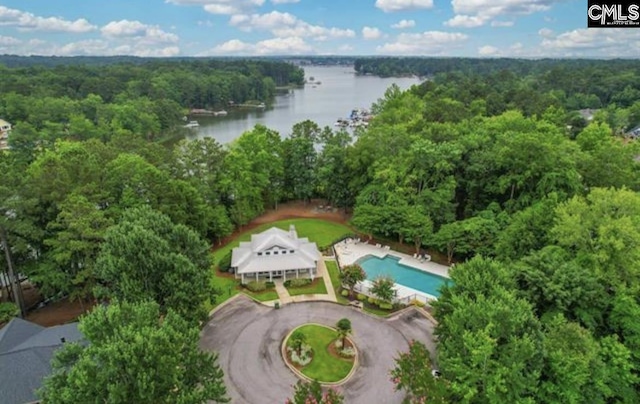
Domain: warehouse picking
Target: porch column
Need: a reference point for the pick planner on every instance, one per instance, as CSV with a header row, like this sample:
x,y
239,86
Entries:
x,y
297,273
242,277
257,276
270,276
284,275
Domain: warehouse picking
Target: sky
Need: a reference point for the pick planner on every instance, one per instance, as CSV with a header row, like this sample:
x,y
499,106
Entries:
x,y
470,28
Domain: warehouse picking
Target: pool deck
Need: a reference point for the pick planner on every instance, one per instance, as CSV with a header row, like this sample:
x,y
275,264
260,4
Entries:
x,y
349,252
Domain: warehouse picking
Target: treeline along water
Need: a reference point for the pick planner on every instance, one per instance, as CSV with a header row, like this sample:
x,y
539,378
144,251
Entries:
x,y
335,92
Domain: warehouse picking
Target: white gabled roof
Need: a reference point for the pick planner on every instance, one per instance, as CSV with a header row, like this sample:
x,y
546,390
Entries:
x,y
245,257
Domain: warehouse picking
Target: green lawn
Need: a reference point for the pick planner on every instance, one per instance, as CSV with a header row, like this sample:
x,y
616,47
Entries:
x,y
324,367
315,288
265,296
334,272
321,231
226,287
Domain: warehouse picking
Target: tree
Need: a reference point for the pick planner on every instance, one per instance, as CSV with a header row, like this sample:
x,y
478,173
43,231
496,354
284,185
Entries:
x,y
343,326
413,374
467,237
489,340
368,218
602,230
298,339
382,288
147,257
306,393
135,354
350,275
299,155
417,227
78,232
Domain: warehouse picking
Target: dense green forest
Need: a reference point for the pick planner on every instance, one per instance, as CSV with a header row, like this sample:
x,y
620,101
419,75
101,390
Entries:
x,y
530,86
148,97
537,206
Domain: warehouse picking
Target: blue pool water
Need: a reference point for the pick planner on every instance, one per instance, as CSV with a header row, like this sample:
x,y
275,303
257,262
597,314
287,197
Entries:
x,y
403,275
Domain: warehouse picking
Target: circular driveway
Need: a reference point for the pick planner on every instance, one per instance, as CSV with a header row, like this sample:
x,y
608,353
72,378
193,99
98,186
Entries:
x,y
247,337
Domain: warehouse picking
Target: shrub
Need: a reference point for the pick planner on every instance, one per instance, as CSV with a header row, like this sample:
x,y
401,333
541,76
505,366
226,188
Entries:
x,y
348,352
8,311
298,283
225,262
256,286
385,306
361,297
287,283
344,292
371,300
417,303
270,285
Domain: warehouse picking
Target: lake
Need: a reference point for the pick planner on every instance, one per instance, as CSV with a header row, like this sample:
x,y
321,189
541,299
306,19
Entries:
x,y
340,91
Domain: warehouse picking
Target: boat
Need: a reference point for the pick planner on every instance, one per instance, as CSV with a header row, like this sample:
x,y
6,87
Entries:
x,y
192,124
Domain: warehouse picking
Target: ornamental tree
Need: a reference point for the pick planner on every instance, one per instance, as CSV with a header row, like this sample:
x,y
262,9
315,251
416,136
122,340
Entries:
x,y
382,288
297,341
413,375
343,326
351,275
311,393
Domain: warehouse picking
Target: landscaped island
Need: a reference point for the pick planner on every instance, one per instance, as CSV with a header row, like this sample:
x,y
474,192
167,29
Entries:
x,y
320,353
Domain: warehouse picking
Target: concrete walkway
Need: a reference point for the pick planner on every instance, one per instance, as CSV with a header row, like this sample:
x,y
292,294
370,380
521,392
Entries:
x,y
284,297
283,293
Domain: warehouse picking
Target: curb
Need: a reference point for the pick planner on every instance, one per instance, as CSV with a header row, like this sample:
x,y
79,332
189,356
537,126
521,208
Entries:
x,y
283,352
221,305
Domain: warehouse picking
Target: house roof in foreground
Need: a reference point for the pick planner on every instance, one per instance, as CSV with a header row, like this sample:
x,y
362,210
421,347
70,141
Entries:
x,y
245,257
26,350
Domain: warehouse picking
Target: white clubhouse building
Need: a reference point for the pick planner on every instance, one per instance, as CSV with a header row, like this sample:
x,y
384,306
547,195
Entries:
x,y
275,253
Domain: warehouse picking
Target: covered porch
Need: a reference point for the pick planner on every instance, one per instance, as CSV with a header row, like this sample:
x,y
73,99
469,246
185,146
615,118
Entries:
x,y
269,276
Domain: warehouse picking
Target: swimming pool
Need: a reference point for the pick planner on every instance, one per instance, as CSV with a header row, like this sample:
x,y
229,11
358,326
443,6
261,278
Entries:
x,y
403,275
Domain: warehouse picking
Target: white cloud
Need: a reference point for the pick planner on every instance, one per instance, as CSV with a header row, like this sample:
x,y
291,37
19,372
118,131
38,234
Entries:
x,y
124,28
502,23
487,10
221,6
371,33
9,41
148,34
284,1
389,6
615,42
465,21
426,43
402,24
488,50
345,48
25,21
273,46
545,33
205,23
286,25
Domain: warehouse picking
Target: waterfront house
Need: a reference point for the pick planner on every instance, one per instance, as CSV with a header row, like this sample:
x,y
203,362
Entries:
x,y
5,128
275,253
